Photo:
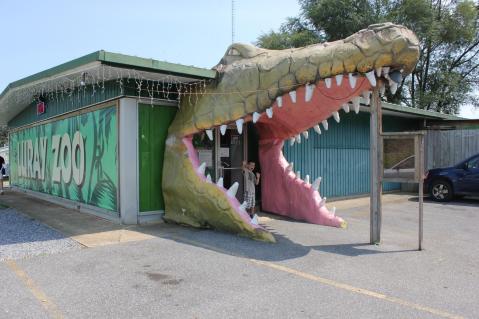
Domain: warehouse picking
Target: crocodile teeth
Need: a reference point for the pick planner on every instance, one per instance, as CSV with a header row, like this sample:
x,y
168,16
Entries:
x,y
223,129
316,183
269,112
393,86
208,178
298,139
323,202
352,80
336,116
210,134
298,174
333,211
317,129
219,183
327,81
243,206
254,220
306,179
256,117
371,78
239,125
356,102
325,124
339,79
201,169
378,71
382,89
366,97
292,95
305,134
231,192
346,107
290,166
279,101
291,141
309,92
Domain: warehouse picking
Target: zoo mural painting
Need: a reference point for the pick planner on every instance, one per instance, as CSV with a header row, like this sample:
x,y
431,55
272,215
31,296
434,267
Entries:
x,y
73,158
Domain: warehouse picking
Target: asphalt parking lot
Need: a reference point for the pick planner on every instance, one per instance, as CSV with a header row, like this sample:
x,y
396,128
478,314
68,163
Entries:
x,y
168,271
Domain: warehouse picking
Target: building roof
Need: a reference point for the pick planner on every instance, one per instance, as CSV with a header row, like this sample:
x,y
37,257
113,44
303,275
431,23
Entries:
x,y
18,95
409,112
418,112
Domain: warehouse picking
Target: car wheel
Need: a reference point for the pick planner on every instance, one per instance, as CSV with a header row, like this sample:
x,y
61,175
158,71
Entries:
x,y
441,191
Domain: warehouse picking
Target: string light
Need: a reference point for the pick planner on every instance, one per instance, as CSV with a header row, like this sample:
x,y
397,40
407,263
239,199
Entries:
x,y
156,86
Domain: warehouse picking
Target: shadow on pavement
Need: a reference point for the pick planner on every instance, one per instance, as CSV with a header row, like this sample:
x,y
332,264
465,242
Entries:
x,y
95,231
354,250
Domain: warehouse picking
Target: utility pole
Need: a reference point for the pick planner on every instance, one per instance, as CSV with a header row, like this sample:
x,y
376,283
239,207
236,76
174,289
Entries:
x,y
232,21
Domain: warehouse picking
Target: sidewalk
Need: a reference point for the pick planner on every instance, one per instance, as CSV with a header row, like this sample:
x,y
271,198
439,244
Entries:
x,y
93,231
86,229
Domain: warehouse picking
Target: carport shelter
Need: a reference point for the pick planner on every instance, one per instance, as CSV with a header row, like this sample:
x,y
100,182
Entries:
x,y
90,134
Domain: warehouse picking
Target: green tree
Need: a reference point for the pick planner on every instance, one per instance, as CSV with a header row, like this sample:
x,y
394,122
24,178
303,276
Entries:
x,y
447,72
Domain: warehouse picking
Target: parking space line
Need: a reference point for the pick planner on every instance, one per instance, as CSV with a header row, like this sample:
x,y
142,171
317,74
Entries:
x,y
49,306
325,281
357,290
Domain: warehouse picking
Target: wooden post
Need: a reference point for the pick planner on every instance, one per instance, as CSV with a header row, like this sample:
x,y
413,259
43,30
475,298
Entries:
x,y
421,185
376,157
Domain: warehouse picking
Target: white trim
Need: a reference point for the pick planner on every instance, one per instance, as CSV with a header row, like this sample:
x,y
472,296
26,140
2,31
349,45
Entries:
x,y
128,160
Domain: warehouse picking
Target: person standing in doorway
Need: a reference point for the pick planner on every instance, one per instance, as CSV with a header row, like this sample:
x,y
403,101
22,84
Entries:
x,y
251,180
2,172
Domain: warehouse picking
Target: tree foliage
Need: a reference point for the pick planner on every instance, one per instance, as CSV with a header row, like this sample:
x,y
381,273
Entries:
x,y
447,73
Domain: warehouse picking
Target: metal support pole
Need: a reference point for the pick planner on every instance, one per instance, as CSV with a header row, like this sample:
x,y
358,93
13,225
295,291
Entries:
x,y
421,186
376,157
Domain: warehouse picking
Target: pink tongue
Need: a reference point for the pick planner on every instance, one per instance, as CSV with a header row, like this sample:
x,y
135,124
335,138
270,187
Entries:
x,y
294,118
284,194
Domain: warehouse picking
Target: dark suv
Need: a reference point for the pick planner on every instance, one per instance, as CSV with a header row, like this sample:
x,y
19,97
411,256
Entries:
x,y
460,180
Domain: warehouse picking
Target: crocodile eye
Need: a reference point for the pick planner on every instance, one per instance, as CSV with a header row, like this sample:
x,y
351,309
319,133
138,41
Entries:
x,y
234,52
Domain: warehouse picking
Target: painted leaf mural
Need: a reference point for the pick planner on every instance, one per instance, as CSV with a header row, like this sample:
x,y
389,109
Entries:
x,y
73,158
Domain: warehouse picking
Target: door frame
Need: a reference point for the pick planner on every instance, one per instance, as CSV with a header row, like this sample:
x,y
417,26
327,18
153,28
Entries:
x,y
217,134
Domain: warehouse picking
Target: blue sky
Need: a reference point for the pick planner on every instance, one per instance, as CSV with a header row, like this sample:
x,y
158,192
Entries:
x,y
37,35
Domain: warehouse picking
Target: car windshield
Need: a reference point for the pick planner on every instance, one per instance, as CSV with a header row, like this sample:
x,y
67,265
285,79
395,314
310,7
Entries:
x,y
473,163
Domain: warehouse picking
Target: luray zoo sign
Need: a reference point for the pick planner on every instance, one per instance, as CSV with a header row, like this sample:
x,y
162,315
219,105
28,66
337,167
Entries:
x,y
74,158
68,158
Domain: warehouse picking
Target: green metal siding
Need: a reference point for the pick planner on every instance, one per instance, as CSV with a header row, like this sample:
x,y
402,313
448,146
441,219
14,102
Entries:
x,y
153,123
58,104
341,154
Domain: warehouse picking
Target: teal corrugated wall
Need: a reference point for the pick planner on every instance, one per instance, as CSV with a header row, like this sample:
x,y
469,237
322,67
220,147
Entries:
x,y
341,154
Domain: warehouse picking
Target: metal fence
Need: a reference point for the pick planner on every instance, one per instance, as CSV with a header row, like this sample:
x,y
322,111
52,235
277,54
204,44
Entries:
x,y
448,147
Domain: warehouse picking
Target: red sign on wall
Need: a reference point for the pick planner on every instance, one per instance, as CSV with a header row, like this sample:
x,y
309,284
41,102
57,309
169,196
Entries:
x,y
41,108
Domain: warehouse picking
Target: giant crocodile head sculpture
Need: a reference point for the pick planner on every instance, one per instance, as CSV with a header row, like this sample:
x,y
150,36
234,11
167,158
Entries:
x,y
284,92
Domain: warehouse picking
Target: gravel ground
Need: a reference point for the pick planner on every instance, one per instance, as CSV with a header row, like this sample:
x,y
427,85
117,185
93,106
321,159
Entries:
x,y
22,237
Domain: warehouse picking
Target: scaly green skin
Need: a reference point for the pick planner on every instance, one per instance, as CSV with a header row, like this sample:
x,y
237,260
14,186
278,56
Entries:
x,y
249,80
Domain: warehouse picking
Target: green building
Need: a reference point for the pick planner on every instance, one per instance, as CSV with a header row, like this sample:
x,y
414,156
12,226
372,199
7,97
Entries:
x,y
90,134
